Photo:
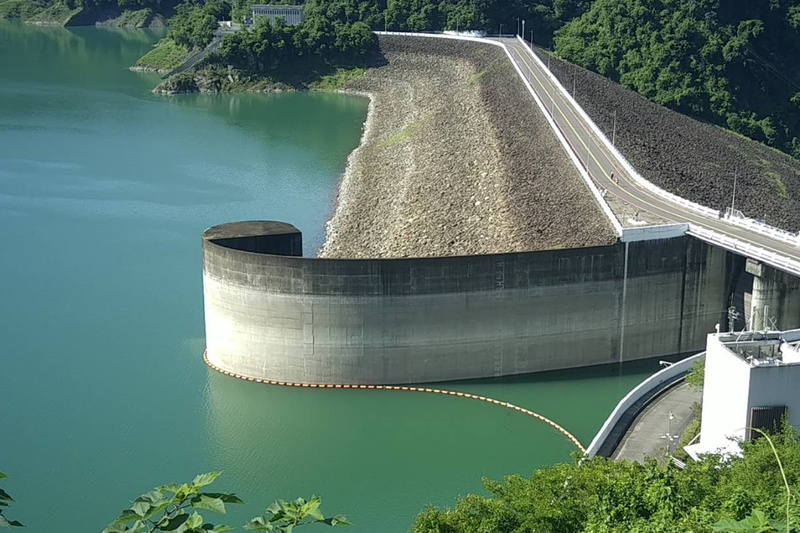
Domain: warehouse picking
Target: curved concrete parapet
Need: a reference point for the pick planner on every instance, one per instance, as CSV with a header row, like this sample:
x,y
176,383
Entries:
x,y
272,314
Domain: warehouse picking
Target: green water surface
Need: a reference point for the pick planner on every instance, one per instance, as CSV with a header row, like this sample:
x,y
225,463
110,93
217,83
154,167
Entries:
x,y
104,192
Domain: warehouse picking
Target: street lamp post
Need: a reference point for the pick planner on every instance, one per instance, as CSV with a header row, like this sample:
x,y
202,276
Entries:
x,y
517,19
670,438
501,31
733,199
523,29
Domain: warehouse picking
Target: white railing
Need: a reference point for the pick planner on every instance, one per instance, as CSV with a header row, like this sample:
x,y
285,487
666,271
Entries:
x,y
741,221
756,252
736,218
635,395
776,260
611,148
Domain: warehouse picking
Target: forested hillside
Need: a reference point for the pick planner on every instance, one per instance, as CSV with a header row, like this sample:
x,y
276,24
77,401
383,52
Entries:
x,y
733,63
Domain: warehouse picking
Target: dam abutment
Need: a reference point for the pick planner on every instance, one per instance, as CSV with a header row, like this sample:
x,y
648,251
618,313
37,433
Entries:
x,y
279,316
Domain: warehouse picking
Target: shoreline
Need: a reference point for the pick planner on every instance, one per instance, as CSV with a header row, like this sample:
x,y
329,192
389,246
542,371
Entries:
x,y
342,198
450,163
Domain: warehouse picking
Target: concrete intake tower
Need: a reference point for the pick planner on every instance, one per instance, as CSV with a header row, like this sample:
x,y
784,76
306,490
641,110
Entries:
x,y
272,314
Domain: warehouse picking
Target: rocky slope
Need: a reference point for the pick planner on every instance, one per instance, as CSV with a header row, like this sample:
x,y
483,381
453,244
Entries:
x,y
689,158
456,160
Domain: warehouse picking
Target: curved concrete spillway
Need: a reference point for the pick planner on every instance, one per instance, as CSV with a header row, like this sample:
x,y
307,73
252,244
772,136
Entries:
x,y
274,315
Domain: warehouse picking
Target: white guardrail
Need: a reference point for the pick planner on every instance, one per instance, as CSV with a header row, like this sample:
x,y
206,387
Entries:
x,y
633,396
756,252
595,190
706,234
762,228
744,222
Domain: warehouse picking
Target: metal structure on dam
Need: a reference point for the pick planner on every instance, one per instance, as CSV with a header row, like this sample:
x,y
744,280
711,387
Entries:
x,y
273,315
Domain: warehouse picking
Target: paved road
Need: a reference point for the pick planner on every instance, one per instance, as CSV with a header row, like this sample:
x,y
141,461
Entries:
x,y
669,414
601,163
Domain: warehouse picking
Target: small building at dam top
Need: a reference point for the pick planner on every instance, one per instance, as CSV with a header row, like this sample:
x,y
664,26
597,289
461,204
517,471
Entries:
x,y
272,314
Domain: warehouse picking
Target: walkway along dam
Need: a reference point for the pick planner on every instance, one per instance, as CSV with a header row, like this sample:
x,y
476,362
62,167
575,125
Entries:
x,y
272,314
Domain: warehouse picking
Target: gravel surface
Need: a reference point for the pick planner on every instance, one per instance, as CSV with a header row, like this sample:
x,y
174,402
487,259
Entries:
x,y
686,157
456,159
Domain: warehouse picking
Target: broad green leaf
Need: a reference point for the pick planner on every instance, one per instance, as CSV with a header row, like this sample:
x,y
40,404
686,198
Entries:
x,y
175,522
170,487
337,520
205,502
8,523
136,527
127,515
227,498
204,480
194,521
2,475
259,523
140,508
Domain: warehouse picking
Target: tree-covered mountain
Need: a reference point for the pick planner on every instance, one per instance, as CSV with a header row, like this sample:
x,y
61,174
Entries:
x,y
728,62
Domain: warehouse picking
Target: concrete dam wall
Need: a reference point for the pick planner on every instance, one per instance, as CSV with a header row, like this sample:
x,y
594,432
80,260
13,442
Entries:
x,y
272,314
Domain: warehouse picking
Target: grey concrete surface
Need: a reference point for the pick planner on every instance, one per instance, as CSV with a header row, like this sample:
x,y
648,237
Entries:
x,y
436,319
647,435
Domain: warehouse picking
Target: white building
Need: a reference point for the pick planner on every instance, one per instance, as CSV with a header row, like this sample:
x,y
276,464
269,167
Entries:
x,y
752,379
291,14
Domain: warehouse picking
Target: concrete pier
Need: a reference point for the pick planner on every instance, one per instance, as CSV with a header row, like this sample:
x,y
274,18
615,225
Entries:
x,y
775,298
285,317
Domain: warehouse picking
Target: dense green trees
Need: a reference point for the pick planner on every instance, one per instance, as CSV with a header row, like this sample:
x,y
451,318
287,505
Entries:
x,y
732,63
602,496
267,47
193,25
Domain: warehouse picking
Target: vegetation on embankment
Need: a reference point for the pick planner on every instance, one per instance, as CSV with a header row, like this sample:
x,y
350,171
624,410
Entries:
x,y
266,57
165,56
744,494
57,14
692,159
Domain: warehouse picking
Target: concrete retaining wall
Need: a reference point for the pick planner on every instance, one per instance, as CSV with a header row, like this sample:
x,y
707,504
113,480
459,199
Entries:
x,y
420,320
635,395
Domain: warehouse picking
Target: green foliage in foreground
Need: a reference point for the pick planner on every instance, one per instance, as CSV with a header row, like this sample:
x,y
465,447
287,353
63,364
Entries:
x,y
5,502
166,55
600,496
177,508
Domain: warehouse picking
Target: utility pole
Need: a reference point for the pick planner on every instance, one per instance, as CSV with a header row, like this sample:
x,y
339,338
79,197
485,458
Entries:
x,y
501,31
523,29
531,39
614,130
517,19
733,199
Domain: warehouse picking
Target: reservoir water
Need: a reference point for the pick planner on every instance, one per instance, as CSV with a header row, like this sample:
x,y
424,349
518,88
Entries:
x,y
104,192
